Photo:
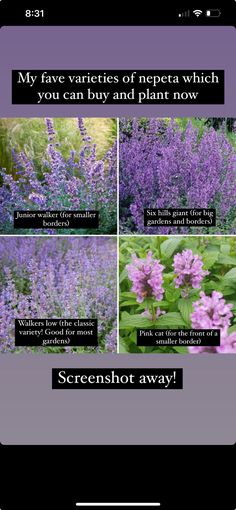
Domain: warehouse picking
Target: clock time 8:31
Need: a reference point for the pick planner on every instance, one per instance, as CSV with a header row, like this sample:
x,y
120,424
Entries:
x,y
36,13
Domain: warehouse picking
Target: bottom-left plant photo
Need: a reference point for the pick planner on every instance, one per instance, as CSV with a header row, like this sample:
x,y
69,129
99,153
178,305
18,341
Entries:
x,y
54,278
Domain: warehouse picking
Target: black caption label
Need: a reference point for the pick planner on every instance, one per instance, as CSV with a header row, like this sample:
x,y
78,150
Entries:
x,y
117,378
56,332
178,337
118,87
56,219
180,217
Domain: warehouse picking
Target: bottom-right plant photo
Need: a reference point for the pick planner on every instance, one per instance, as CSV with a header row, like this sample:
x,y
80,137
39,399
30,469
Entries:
x,y
177,294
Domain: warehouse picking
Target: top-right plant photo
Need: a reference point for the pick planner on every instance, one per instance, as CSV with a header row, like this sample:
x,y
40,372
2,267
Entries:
x,y
177,176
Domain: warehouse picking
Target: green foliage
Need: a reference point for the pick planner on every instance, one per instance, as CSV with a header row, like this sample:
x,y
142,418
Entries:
x,y
219,257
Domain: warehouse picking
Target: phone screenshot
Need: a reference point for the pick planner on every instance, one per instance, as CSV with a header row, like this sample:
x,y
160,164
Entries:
x,y
117,256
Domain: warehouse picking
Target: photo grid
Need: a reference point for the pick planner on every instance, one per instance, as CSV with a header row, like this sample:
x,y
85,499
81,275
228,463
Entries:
x,y
118,235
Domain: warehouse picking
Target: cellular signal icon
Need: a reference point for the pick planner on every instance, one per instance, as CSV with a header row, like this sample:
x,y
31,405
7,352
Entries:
x,y
197,12
185,14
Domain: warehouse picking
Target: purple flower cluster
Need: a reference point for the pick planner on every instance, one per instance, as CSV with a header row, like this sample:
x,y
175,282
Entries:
x,y
163,166
188,270
111,339
55,278
80,182
212,312
228,344
153,316
50,129
146,276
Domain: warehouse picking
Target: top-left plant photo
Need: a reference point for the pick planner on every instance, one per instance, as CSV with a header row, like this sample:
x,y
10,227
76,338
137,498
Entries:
x,y
58,176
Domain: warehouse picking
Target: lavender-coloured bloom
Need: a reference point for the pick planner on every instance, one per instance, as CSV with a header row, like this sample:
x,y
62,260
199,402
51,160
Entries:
x,y
146,276
37,199
58,278
165,166
211,312
111,339
83,131
80,182
227,344
50,129
188,270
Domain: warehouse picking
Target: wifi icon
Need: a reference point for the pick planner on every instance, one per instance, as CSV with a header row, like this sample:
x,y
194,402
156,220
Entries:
x,y
197,12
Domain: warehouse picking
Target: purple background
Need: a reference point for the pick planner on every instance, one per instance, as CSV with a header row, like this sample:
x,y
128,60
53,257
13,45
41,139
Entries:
x,y
116,48
204,412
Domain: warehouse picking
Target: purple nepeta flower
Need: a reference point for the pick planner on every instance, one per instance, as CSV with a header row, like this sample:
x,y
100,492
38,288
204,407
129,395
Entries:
x,y
163,165
111,339
211,312
188,270
50,129
146,276
83,131
157,314
228,344
70,277
37,199
56,182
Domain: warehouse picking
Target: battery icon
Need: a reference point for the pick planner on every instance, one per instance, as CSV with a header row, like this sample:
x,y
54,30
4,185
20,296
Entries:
x,y
213,13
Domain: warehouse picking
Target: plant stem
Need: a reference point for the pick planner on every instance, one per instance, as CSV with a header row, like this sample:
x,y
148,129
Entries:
x,y
159,247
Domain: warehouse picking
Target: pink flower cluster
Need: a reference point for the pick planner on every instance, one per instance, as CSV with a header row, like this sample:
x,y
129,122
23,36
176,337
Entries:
x,y
228,344
212,312
146,276
188,270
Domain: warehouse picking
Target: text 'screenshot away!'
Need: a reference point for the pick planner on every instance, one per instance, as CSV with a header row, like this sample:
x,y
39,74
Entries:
x,y
117,256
